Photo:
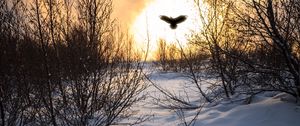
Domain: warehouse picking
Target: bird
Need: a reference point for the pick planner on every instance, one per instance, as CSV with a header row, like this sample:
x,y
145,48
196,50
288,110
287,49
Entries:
x,y
173,21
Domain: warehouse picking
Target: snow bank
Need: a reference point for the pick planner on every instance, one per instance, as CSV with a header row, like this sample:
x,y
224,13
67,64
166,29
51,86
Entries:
x,y
267,111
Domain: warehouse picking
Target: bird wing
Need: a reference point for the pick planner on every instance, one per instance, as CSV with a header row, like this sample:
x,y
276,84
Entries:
x,y
180,19
166,19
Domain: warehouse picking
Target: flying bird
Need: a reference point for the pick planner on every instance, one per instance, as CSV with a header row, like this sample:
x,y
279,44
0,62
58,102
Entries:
x,y
173,21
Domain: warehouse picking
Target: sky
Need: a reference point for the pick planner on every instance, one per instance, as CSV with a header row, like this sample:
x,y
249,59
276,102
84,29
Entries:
x,y
126,11
142,16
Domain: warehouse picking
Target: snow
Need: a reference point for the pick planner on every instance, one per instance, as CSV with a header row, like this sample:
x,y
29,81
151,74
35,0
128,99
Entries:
x,y
265,109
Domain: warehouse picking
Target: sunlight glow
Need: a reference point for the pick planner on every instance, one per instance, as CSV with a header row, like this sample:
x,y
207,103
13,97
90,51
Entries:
x,y
148,23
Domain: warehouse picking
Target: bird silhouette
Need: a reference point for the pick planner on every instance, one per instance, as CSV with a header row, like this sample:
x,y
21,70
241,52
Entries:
x,y
173,21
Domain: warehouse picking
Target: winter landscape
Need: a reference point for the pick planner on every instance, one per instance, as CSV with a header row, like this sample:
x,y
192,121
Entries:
x,y
149,62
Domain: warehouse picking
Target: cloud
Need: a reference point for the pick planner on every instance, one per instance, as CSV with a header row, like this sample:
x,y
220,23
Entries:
x,y
127,10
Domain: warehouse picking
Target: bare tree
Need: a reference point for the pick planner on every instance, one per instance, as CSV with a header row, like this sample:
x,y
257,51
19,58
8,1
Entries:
x,y
60,66
215,37
275,26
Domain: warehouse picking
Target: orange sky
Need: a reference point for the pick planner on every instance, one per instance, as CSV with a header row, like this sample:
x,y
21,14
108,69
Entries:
x,y
127,10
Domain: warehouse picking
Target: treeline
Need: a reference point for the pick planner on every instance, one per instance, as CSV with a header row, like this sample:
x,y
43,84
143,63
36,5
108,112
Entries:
x,y
252,46
174,57
65,62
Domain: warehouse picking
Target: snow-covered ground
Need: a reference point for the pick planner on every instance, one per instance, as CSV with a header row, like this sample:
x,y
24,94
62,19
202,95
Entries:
x,y
265,109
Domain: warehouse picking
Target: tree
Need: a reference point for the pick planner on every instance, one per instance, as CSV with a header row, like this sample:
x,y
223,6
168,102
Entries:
x,y
273,27
60,66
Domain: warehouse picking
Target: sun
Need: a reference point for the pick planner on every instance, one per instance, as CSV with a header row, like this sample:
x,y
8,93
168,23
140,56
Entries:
x,y
148,28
